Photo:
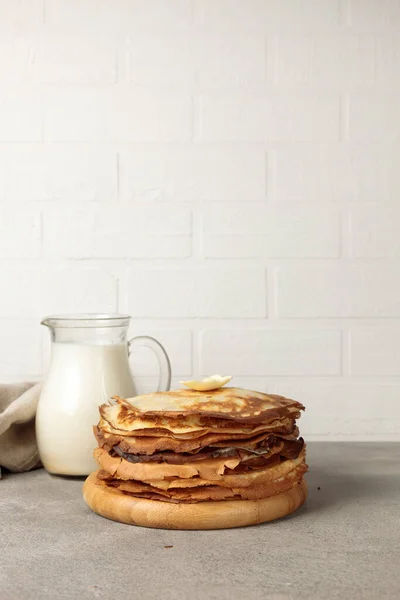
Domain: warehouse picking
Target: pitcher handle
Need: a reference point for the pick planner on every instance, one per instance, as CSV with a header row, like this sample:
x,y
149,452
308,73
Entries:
x,y
164,381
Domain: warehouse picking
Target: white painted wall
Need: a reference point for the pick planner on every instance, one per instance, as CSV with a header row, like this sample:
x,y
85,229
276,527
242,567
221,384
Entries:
x,y
227,172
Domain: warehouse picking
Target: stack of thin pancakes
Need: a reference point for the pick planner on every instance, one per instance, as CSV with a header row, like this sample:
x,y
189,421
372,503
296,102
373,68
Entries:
x,y
187,447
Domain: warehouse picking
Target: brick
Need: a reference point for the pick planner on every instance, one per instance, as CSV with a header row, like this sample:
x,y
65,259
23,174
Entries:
x,y
232,117
20,115
373,232
375,175
342,410
20,232
258,14
79,114
205,58
35,292
25,287
168,58
15,55
185,293
206,172
333,60
230,59
309,14
374,117
57,172
122,114
318,173
374,15
164,14
267,352
338,291
387,60
75,59
119,15
21,14
115,231
20,349
233,246
375,350
241,116
231,14
177,343
294,59
330,173
152,116
258,230
79,290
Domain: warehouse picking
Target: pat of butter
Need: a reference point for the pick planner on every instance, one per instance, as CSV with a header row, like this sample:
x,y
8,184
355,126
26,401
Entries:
x,y
214,382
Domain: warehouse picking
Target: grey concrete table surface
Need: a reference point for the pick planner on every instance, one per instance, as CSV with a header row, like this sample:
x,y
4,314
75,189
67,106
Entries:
x,y
344,543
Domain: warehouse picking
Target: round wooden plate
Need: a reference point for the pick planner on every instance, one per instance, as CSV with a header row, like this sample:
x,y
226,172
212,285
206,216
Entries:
x,y
112,504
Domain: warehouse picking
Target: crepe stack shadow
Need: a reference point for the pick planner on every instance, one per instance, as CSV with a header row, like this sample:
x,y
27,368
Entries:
x,y
198,460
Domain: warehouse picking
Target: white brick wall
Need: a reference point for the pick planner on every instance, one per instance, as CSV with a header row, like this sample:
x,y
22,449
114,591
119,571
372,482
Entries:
x,y
226,171
21,116
211,172
183,292
58,172
257,230
145,230
264,116
271,352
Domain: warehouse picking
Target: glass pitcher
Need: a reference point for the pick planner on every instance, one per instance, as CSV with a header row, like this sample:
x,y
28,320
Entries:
x,y
89,364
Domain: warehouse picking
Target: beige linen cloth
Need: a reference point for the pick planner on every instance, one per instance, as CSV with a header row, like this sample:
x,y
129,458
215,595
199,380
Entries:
x,y
18,448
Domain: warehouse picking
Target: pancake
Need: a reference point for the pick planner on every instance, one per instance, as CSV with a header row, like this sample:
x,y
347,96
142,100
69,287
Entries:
x,y
185,447
122,469
284,425
275,471
187,411
151,445
208,469
209,492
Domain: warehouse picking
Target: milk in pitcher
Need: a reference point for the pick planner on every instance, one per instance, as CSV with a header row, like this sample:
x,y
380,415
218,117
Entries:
x,y
81,377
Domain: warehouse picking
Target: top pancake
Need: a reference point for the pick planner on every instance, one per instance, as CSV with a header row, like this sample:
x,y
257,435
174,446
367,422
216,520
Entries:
x,y
186,411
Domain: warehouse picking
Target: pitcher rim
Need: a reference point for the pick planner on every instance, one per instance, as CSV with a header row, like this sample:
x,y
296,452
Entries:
x,y
86,320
